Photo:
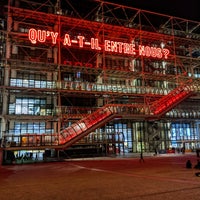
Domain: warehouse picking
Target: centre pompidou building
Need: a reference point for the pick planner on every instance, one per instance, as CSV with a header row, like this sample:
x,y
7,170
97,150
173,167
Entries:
x,y
96,79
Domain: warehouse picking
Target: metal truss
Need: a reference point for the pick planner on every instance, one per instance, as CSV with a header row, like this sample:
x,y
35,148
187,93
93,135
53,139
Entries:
x,y
106,21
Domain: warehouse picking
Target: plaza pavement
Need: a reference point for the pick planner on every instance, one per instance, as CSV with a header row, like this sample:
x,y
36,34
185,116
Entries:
x,y
161,177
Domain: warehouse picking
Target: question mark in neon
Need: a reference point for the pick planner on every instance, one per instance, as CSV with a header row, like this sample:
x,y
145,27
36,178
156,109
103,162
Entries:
x,y
166,53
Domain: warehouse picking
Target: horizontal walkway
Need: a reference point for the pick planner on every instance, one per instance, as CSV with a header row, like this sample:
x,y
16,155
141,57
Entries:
x,y
132,155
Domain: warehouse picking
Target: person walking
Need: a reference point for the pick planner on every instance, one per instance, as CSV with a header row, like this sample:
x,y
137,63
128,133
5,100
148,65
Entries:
x,y
141,157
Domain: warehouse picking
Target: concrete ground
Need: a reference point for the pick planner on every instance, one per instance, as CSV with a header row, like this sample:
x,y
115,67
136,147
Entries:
x,y
160,177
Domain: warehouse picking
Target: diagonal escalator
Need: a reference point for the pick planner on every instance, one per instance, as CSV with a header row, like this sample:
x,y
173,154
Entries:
x,y
105,114
101,116
166,103
95,120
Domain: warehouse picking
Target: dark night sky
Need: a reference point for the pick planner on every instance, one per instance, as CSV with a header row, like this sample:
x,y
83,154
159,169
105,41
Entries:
x,y
188,9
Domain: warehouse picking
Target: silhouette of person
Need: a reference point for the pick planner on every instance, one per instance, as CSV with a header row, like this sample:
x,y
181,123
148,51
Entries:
x,y
197,166
141,157
188,164
197,152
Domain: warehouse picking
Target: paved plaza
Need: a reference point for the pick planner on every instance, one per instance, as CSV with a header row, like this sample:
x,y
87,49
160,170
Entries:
x,y
124,178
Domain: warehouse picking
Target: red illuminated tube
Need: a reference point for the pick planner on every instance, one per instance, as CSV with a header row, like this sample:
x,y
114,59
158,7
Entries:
x,y
118,47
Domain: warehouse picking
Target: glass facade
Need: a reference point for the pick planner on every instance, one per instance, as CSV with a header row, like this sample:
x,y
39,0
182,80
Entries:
x,y
106,83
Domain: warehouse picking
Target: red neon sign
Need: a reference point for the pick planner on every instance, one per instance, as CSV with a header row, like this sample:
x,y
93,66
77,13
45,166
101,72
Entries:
x,y
42,36
153,52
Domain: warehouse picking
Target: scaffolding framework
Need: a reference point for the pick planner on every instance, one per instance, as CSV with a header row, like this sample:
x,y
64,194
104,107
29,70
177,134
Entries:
x,y
75,61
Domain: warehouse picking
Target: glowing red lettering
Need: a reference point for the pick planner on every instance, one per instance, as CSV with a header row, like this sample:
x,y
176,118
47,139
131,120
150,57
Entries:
x,y
159,53
81,38
142,50
107,45
153,52
32,35
42,36
148,51
113,46
132,49
126,48
120,46
129,48
67,40
95,44
54,37
166,53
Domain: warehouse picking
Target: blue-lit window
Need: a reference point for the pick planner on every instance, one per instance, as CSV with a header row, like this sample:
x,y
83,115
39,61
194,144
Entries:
x,y
29,106
31,128
183,131
78,75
